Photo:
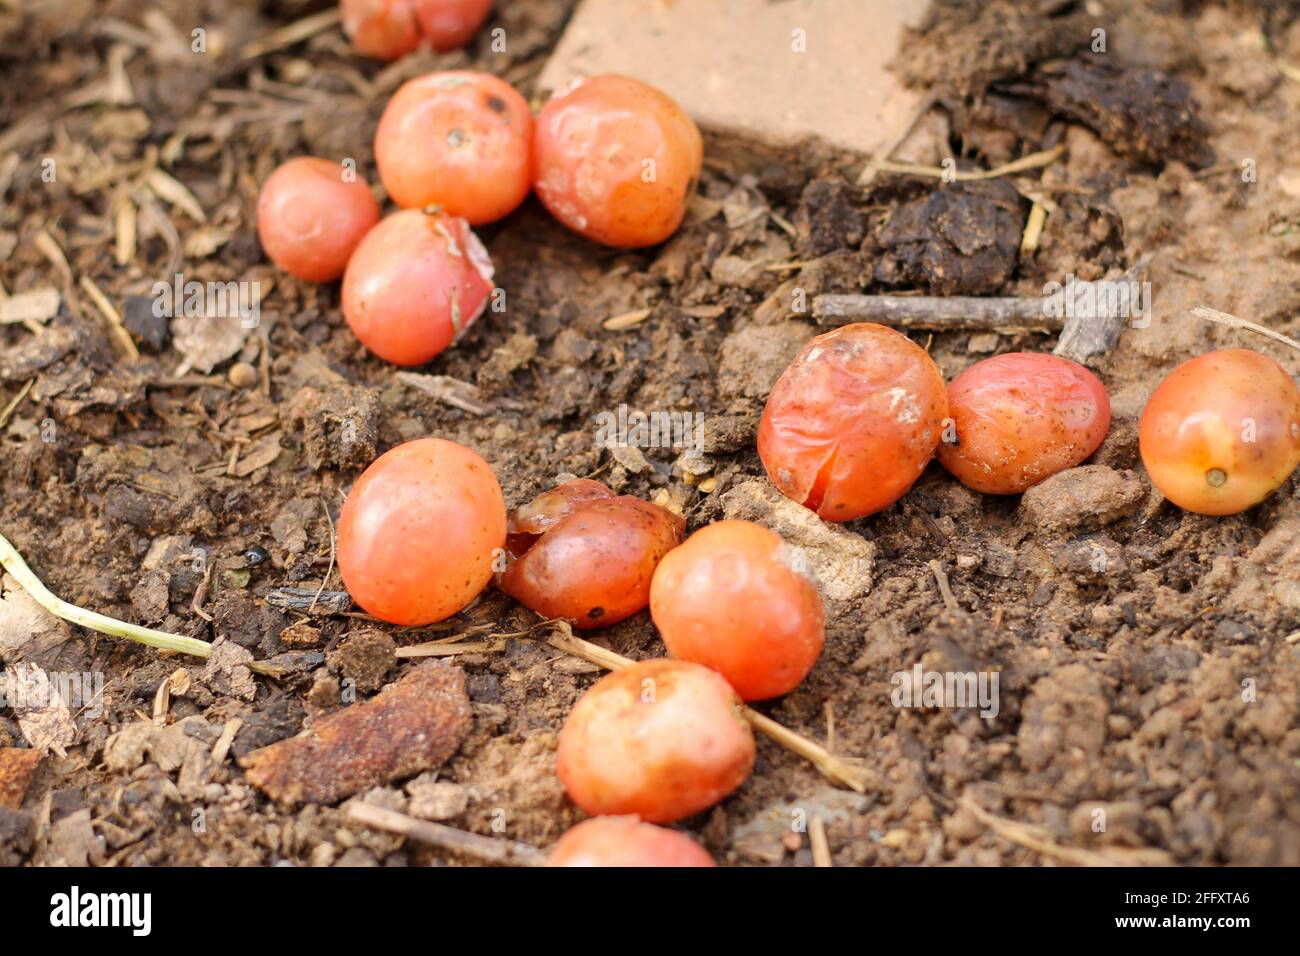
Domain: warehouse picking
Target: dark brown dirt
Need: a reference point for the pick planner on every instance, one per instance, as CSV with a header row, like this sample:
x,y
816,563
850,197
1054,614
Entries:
x,y
1158,684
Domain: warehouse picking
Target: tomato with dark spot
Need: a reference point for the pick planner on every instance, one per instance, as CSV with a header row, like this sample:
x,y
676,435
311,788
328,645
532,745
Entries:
x,y
625,841
1022,417
661,739
616,160
853,421
459,140
581,553
311,216
415,284
1222,431
420,532
389,29
730,599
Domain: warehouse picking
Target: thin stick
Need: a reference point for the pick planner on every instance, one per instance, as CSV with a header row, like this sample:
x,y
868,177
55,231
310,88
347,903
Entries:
x,y
487,849
836,769
939,313
436,649
821,847
125,344
13,562
15,402
945,589
1036,160
296,32
1224,318
1034,838
333,552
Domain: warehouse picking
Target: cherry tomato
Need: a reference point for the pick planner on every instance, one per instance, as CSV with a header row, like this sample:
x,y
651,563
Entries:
x,y
1021,417
459,140
728,599
388,29
853,421
616,160
310,218
625,841
1222,431
419,532
661,739
415,284
593,556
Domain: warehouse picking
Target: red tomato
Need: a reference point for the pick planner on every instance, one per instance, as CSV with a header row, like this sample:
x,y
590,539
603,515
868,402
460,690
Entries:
x,y
625,841
419,532
1222,431
617,160
593,558
1022,417
415,284
459,140
388,29
729,600
660,739
310,218
853,421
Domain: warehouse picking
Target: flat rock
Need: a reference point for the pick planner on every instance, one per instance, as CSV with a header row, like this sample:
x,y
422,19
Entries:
x,y
755,73
839,562
1085,497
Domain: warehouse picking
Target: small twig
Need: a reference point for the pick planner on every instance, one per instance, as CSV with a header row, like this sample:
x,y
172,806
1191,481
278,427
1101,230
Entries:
x,y
821,847
940,313
1036,839
13,562
486,849
448,390
836,769
1033,229
945,589
125,344
437,649
1224,318
333,553
293,33
14,402
1033,161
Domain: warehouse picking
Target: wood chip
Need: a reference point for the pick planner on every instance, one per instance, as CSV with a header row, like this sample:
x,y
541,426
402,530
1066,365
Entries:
x,y
175,193
261,453
36,305
448,390
412,725
627,320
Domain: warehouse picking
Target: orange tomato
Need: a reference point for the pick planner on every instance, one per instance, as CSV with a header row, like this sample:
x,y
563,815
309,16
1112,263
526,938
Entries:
x,y
853,421
460,140
419,532
310,218
728,599
660,739
1222,431
1021,417
616,160
592,557
625,841
415,284
388,29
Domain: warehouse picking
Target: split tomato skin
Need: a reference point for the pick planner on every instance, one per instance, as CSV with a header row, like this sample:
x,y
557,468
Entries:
x,y
1021,417
728,599
419,532
1222,431
594,559
416,282
661,739
616,160
460,140
390,29
625,841
854,420
310,219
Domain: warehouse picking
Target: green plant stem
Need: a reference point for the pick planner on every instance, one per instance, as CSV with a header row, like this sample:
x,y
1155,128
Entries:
x,y
13,562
